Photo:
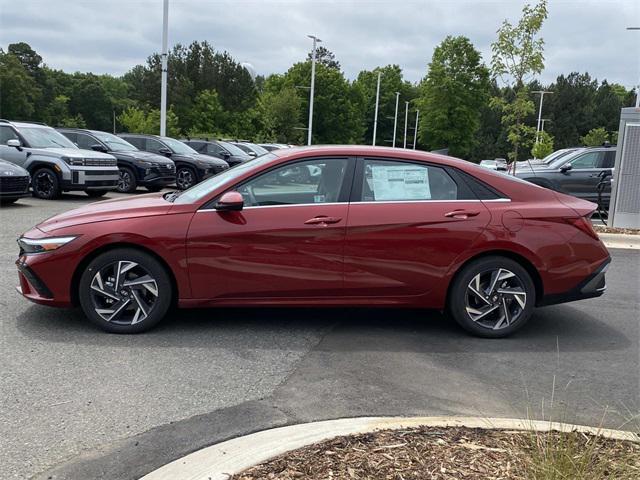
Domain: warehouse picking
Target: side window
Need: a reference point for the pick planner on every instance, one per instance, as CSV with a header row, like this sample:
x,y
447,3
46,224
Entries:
x,y
85,141
71,136
404,181
7,133
213,149
300,183
154,145
197,146
136,142
609,159
586,161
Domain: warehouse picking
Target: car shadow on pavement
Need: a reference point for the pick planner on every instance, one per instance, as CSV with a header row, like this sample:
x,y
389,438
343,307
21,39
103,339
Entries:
x,y
393,330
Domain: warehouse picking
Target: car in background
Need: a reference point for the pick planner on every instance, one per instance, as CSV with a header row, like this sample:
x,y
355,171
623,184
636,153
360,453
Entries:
x,y
495,164
219,149
376,227
191,167
577,173
250,148
14,182
137,168
55,163
273,146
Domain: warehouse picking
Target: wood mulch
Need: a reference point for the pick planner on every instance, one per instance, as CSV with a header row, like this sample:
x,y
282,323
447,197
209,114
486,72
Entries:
x,y
625,231
428,453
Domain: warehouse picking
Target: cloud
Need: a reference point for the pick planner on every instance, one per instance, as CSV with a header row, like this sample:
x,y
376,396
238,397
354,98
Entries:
x,y
112,36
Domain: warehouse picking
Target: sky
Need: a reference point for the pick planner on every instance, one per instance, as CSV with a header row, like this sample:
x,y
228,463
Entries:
x,y
111,36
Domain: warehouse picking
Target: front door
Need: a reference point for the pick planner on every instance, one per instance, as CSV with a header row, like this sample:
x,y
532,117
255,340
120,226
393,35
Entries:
x,y
287,242
11,154
408,222
583,177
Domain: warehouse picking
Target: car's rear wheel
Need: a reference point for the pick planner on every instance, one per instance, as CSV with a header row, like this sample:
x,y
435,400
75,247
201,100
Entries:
x,y
185,178
492,297
45,184
125,291
126,180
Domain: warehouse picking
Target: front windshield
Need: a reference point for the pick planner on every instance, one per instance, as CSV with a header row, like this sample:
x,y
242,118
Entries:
x,y
114,143
556,155
202,189
562,159
232,149
178,147
45,137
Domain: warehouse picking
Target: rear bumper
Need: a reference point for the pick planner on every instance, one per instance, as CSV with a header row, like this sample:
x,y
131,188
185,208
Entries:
x,y
592,286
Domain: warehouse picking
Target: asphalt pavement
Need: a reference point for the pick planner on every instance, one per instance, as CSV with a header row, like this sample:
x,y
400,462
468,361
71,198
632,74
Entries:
x,y
79,403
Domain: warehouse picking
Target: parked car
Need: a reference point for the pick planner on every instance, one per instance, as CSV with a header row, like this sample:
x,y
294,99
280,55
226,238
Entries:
x,y
495,164
137,168
55,164
250,148
218,149
272,146
14,183
577,173
191,166
377,227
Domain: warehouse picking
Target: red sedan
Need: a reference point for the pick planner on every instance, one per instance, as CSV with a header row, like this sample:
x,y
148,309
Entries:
x,y
323,226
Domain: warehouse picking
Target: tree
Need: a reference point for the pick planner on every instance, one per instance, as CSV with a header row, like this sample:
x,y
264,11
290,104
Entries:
x,y
325,57
595,137
207,113
518,55
280,111
136,120
18,90
27,56
544,146
452,95
90,99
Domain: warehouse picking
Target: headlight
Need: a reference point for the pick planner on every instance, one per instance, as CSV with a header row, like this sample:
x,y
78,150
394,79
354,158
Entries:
x,y
145,163
42,245
73,161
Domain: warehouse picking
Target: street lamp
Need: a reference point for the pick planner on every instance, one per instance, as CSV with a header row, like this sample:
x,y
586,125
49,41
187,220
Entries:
x,y
165,54
415,132
313,85
375,117
395,120
541,92
406,120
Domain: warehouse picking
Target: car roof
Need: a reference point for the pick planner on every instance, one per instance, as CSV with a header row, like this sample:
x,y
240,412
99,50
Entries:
x,y
25,124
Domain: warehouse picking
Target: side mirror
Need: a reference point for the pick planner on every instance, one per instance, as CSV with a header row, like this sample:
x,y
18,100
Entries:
x,y
253,154
165,151
225,155
566,168
14,142
99,148
230,202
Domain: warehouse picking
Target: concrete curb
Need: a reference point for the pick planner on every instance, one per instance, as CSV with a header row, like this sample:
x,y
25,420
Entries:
x,y
618,240
219,461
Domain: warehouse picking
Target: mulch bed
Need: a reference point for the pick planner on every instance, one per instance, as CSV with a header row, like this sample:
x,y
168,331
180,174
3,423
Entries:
x,y
428,453
626,231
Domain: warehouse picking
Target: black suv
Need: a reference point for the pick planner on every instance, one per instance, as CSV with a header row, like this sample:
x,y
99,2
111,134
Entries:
x,y
137,168
577,173
218,149
191,166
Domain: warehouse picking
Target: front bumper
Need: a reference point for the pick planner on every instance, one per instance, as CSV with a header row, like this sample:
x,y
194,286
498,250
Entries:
x,y
14,187
91,179
592,286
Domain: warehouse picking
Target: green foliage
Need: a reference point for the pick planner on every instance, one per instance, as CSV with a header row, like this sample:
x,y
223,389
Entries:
x,y
207,114
518,55
325,57
18,90
596,137
135,120
544,146
453,93
280,110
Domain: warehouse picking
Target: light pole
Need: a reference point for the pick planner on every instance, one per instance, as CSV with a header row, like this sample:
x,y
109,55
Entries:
x,y
544,120
165,54
638,86
313,85
415,132
406,120
375,117
395,120
541,92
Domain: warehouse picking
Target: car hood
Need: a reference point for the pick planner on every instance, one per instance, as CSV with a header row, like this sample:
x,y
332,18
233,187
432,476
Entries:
x,y
10,170
140,155
207,158
526,168
117,209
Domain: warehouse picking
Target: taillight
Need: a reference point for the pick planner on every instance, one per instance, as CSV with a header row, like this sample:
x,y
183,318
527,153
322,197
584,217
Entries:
x,y
583,224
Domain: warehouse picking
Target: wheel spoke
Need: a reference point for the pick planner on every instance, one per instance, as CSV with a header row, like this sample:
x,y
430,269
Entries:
x,y
479,295
477,314
141,308
110,314
518,295
123,267
505,318
145,281
98,285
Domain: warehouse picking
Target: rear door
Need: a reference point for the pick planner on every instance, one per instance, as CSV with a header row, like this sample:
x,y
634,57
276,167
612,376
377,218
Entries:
x,y
408,222
581,181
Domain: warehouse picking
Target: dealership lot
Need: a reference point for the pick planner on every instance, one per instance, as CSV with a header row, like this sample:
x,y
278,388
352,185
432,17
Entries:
x,y
69,388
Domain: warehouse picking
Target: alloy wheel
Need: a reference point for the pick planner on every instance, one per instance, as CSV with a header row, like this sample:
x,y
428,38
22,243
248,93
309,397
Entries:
x,y
44,184
495,298
123,293
184,179
124,181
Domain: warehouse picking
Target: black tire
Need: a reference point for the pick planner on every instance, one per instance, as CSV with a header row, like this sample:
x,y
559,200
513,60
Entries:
x,y
45,184
126,320
96,193
127,182
7,201
154,188
185,178
476,312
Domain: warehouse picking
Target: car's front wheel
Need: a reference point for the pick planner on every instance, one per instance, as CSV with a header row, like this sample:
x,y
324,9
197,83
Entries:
x,y
126,180
45,184
492,297
125,291
185,178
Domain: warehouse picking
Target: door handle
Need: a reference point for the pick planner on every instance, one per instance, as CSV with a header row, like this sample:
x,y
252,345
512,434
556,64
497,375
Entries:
x,y
462,214
322,220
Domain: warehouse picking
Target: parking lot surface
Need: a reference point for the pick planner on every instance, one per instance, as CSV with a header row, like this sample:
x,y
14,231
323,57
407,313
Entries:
x,y
69,391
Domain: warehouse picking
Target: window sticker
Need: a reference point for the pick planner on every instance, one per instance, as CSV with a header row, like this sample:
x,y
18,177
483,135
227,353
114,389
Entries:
x,y
406,182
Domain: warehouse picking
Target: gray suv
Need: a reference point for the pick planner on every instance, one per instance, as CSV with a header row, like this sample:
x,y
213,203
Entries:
x,y
577,173
56,165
